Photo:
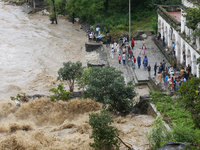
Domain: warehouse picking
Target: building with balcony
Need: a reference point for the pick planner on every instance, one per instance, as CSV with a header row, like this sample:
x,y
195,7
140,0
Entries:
x,y
171,25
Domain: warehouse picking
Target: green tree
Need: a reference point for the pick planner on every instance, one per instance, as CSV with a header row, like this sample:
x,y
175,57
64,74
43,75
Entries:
x,y
103,133
193,19
82,81
189,95
167,2
107,86
60,93
52,7
70,72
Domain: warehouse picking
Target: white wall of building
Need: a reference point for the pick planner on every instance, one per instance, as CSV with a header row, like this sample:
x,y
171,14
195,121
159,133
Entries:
x,y
171,35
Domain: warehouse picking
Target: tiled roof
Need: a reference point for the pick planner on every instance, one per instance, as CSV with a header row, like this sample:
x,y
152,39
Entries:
x,y
176,15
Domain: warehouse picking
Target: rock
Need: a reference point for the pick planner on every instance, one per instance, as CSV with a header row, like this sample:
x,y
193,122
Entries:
x,y
97,63
174,146
18,105
38,96
144,36
77,94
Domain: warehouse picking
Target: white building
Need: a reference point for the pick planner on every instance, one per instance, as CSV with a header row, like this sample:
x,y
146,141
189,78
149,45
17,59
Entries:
x,y
171,25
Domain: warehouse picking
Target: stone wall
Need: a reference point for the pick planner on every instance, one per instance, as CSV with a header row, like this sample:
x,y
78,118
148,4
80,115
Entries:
x,y
91,46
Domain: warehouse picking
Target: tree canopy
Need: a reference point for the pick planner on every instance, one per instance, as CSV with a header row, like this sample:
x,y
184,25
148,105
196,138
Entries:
x,y
103,133
107,86
70,72
193,19
189,95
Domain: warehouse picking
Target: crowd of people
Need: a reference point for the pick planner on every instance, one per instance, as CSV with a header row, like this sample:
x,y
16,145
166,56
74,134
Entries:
x,y
127,52
165,74
172,80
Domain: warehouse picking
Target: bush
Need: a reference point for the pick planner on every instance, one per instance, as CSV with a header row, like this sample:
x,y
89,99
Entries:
x,y
158,134
104,135
60,93
21,98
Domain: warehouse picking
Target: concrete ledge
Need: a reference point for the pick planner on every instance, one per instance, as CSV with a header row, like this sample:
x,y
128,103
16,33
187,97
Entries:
x,y
97,63
153,111
92,46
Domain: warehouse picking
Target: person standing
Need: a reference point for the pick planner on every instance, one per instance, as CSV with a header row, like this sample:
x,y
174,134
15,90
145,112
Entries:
x,y
134,61
104,29
163,41
155,68
127,37
182,71
108,42
115,46
164,63
166,81
119,58
132,43
109,39
160,67
139,61
108,31
143,49
145,61
140,50
90,37
149,70
159,36
97,31
160,77
124,58
184,58
111,52
173,48
188,69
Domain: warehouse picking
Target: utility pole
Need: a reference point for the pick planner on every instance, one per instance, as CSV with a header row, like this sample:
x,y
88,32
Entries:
x,y
129,20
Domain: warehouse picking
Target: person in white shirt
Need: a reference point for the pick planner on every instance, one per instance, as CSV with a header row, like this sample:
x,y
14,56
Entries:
x,y
124,58
111,52
115,46
97,31
90,37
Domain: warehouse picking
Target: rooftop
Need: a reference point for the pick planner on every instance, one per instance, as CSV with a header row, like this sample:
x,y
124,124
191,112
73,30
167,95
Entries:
x,y
176,15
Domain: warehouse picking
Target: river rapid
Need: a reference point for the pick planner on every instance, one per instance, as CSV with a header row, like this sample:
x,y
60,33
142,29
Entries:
x,y
31,52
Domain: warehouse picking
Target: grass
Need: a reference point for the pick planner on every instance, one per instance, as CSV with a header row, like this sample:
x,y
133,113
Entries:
x,y
179,119
119,30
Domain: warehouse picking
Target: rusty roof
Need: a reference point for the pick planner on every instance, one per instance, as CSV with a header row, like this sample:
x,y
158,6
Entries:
x,y
176,15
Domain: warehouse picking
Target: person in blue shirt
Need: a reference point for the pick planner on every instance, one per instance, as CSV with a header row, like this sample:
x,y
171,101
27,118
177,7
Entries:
x,y
145,61
166,81
139,61
99,38
173,48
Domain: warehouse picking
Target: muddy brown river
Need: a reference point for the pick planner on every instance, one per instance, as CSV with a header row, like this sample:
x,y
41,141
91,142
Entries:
x,y
31,52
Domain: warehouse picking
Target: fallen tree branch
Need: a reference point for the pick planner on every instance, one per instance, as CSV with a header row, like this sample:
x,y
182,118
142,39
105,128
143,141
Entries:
x,y
124,143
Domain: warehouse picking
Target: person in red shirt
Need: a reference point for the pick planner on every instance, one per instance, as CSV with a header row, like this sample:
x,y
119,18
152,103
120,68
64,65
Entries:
x,y
134,61
119,58
132,43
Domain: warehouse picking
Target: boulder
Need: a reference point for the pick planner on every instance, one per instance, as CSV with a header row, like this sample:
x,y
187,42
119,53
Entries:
x,y
174,146
144,36
97,63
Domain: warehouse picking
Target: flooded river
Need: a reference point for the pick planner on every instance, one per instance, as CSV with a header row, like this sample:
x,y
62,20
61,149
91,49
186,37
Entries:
x,y
31,52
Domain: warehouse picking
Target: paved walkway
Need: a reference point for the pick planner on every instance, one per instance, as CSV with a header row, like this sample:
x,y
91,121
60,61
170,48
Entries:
x,y
153,54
